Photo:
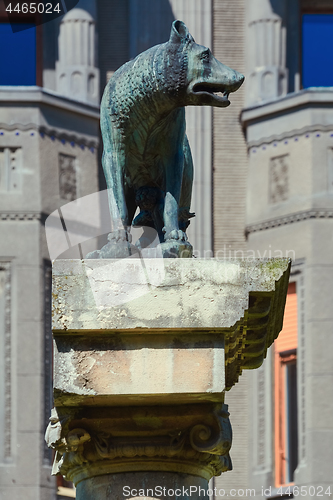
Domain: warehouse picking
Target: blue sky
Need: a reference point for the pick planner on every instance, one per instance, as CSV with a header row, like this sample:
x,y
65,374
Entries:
x,y
317,50
18,56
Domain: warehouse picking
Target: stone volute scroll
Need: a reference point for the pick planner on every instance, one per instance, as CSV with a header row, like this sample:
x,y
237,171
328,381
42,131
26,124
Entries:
x,y
146,348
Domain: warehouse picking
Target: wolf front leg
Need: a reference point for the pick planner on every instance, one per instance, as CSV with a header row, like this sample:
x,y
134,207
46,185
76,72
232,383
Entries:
x,y
172,157
174,174
175,244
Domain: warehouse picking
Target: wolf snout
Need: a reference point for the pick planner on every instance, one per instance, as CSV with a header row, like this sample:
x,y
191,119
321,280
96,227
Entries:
x,y
236,81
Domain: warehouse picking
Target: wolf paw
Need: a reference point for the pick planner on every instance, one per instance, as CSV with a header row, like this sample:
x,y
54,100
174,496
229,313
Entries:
x,y
175,234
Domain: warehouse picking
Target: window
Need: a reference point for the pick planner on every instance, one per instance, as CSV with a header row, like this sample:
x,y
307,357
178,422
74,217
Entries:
x,y
285,394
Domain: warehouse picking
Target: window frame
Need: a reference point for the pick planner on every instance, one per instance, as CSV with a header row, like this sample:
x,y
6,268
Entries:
x,y
282,360
284,354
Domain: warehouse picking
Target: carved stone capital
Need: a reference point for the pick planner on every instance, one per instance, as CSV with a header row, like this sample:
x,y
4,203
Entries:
x,y
194,439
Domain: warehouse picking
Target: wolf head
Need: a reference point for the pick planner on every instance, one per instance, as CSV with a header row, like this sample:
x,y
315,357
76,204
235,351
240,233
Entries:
x,y
207,81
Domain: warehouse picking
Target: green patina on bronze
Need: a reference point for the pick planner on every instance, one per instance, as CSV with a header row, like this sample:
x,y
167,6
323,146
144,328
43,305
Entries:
x,y
147,160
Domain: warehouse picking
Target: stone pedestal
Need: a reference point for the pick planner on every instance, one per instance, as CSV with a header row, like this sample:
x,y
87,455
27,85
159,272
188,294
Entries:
x,y
143,353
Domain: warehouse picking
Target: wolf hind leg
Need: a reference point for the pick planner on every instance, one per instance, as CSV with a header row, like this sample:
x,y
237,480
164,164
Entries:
x,y
119,240
116,194
114,165
184,213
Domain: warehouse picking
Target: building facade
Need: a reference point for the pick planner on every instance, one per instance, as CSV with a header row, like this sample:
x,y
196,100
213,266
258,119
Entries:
x,y
48,157
287,121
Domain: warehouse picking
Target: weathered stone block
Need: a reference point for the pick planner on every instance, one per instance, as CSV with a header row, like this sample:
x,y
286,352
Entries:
x,y
135,331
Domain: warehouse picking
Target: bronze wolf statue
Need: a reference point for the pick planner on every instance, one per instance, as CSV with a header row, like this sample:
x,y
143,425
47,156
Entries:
x,y
147,159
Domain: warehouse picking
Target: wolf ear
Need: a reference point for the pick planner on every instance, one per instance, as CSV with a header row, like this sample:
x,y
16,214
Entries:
x,y
180,33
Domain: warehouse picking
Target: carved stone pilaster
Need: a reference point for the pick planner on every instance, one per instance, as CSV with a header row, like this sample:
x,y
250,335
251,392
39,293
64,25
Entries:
x,y
76,74
194,439
6,444
266,57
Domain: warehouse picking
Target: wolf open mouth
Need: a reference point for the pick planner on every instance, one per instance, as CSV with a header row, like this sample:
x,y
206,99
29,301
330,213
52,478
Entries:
x,y
212,89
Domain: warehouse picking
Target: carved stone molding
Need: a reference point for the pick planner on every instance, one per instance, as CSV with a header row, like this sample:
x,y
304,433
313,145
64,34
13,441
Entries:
x,y
192,439
290,135
11,127
20,216
323,213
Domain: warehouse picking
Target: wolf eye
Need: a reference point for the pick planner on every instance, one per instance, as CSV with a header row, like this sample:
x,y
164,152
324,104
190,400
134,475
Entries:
x,y
205,56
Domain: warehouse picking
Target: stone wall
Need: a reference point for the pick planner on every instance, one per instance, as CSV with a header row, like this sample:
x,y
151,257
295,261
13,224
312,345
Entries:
x,y
229,199
291,165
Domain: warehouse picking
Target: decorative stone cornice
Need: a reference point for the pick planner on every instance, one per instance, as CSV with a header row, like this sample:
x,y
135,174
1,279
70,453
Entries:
x,y
311,96
24,127
291,134
191,439
64,136
323,213
305,99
